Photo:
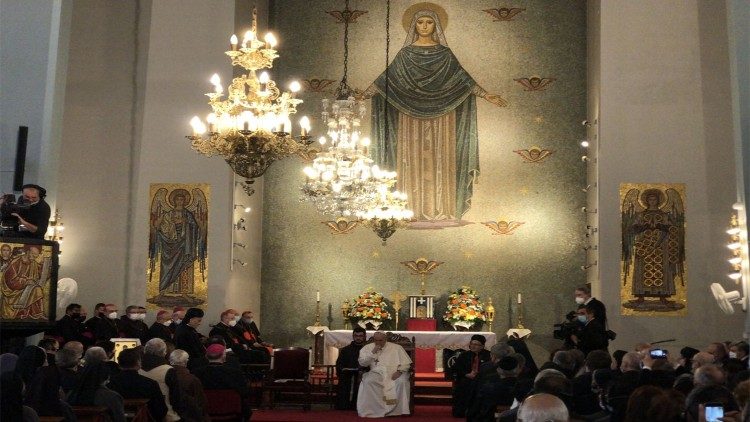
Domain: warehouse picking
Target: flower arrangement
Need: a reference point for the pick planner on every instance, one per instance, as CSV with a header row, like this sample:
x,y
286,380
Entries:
x,y
464,309
369,307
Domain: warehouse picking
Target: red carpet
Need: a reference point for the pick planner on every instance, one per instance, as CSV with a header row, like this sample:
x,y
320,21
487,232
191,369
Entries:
x,y
421,413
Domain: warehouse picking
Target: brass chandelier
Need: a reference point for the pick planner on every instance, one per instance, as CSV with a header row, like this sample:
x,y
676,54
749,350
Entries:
x,y
251,128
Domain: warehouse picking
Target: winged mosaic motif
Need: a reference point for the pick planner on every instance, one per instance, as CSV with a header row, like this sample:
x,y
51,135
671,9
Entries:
x,y
504,13
421,266
534,154
535,83
317,85
503,227
346,15
653,243
341,225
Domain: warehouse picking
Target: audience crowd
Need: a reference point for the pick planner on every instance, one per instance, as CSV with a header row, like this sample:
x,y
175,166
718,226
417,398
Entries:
x,y
172,371
176,368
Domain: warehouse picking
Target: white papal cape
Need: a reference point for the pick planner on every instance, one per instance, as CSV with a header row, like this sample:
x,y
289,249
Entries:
x,y
379,395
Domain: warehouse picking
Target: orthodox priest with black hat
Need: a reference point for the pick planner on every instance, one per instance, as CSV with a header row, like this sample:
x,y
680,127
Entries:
x,y
466,370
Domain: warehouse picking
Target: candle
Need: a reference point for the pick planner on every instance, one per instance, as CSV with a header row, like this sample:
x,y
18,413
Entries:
x,y
519,298
304,124
317,296
233,42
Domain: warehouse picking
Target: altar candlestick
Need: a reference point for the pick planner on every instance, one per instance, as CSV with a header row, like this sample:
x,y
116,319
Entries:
x,y
318,296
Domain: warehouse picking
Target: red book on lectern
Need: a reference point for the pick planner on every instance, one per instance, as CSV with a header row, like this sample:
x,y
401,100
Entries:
x,y
425,357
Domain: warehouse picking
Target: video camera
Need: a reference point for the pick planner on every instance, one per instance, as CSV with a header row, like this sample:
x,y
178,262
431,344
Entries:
x,y
10,206
565,329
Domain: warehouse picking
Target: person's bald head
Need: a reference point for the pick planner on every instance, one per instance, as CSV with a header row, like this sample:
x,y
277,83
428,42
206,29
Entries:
x,y
543,407
75,346
631,361
702,358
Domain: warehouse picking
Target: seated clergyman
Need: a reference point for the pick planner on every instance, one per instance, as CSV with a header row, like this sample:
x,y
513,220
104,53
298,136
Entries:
x,y
384,390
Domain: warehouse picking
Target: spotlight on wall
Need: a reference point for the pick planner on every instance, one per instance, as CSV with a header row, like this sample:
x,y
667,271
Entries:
x,y
585,158
239,245
585,144
247,209
239,261
587,266
240,224
590,247
588,211
586,123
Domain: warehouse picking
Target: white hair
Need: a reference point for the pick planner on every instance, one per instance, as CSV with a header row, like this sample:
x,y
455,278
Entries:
x,y
155,346
94,355
178,357
543,407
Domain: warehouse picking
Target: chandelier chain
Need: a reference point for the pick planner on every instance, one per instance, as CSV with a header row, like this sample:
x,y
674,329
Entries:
x,y
344,89
387,55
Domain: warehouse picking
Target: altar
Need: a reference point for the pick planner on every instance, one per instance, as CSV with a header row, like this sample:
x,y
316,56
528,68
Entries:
x,y
438,340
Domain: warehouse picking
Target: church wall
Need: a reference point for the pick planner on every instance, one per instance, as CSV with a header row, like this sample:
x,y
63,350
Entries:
x,y
664,116
542,259
95,150
138,73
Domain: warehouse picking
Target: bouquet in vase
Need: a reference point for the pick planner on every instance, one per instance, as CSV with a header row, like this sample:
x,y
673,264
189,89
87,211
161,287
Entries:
x,y
464,309
369,308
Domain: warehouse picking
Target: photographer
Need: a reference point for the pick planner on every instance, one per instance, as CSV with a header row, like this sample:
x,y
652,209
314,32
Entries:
x,y
30,216
571,326
593,335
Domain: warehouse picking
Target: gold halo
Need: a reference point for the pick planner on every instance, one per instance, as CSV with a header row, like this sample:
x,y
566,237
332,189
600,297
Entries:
x,y
643,199
414,8
183,192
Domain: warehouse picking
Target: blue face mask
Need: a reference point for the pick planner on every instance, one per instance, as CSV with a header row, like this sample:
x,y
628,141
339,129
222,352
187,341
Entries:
x,y
582,319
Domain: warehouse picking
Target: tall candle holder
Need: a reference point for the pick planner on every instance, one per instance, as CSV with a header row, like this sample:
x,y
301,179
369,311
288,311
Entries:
x,y
317,312
490,310
345,309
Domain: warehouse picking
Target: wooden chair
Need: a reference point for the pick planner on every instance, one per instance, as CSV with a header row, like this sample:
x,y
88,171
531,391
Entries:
x,y
290,374
90,413
223,405
409,346
136,410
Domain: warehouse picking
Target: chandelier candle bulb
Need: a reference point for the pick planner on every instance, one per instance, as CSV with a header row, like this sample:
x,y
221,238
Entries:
x,y
304,124
519,298
270,40
295,87
233,42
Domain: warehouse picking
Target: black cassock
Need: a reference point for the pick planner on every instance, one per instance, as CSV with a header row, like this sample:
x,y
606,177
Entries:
x,y
347,368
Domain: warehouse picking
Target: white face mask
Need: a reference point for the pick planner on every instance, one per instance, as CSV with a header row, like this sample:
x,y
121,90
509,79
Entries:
x,y
112,315
580,300
133,317
232,323
141,316
582,318
177,321
167,323
733,355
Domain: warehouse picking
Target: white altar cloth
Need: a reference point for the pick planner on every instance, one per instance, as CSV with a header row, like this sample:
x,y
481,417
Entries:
x,y
336,339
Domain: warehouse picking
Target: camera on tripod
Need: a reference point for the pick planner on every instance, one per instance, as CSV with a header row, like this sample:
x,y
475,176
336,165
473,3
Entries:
x,y
565,329
8,207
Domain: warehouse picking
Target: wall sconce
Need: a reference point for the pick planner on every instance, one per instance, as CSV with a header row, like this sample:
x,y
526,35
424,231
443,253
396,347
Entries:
x,y
240,224
239,245
590,247
586,123
239,261
590,230
587,266
247,209
588,211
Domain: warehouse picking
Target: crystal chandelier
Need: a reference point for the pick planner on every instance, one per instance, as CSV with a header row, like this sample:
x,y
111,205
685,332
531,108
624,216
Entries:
x,y
342,181
251,127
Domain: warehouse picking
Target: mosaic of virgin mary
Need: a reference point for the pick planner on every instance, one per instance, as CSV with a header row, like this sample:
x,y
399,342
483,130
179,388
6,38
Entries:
x,y
431,137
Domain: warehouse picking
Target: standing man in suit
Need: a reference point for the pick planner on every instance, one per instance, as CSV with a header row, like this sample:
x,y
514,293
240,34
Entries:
x,y
466,369
583,297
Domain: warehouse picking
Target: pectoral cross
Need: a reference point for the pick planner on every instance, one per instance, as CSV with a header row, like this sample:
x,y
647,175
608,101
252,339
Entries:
x,y
397,297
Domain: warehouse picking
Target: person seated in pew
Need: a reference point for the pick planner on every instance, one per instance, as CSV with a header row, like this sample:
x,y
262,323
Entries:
x,y
131,324
132,385
190,386
90,390
466,370
384,389
224,329
249,333
347,369
154,365
217,375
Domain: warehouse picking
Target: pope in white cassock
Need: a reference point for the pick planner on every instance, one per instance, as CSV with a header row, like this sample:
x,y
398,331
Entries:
x,y
384,390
